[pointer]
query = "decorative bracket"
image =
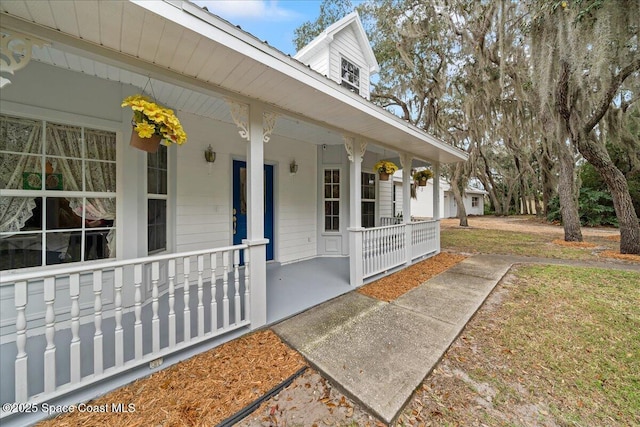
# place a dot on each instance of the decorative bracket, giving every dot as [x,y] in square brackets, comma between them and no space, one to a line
[15,52]
[350,145]
[240,116]
[269,119]
[405,161]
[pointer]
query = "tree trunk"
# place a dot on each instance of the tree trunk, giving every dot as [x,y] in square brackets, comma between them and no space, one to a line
[456,184]
[567,195]
[492,188]
[536,204]
[598,156]
[547,178]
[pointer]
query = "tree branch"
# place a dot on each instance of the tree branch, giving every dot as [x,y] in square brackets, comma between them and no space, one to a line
[610,93]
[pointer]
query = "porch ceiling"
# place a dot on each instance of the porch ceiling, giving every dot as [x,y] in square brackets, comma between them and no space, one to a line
[179,42]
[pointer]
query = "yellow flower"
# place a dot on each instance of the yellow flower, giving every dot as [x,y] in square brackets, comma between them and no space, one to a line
[145,129]
[564,4]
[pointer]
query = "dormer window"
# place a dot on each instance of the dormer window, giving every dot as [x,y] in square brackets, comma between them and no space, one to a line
[350,76]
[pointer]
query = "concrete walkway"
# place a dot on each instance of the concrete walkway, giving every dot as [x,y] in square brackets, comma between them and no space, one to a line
[378,352]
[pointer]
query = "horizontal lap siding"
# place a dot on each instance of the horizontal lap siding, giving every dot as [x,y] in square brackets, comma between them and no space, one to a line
[385,197]
[203,199]
[296,198]
[345,44]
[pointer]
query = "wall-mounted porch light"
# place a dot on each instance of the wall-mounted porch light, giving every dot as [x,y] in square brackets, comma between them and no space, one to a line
[293,167]
[209,154]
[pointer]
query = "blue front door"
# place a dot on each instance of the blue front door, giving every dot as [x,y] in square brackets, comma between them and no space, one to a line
[240,204]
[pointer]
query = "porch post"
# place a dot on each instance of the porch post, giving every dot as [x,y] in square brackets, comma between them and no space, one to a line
[355,151]
[436,201]
[436,190]
[255,125]
[406,162]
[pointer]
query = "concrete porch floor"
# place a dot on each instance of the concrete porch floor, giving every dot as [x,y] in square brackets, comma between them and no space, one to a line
[293,288]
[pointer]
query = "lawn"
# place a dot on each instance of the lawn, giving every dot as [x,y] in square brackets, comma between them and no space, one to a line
[553,345]
[477,240]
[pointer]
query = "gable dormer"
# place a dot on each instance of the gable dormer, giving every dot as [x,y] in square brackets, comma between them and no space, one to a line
[342,52]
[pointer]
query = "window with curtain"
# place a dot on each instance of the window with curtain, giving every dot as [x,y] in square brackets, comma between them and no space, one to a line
[350,75]
[157,200]
[368,200]
[57,201]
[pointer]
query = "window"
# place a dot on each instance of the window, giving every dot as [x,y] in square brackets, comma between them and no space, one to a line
[332,200]
[157,200]
[474,201]
[350,76]
[58,202]
[368,199]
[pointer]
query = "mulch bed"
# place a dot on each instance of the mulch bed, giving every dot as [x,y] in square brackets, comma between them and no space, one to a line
[585,245]
[618,255]
[391,287]
[201,391]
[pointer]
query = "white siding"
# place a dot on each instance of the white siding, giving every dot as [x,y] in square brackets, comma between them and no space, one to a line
[295,199]
[397,188]
[345,44]
[385,198]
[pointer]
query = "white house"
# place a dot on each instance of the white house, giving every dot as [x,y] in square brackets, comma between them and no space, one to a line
[113,258]
[422,205]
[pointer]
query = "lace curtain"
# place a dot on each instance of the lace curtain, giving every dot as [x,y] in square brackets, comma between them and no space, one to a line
[100,176]
[20,136]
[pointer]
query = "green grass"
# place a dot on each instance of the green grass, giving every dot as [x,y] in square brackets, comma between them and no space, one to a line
[573,334]
[475,240]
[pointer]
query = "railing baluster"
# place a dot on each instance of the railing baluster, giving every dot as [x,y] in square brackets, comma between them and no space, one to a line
[21,364]
[247,284]
[236,284]
[50,321]
[74,347]
[172,302]
[98,338]
[200,297]
[119,332]
[214,302]
[225,288]
[155,319]
[137,298]
[186,266]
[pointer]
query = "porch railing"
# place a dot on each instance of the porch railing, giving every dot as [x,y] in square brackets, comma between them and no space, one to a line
[384,248]
[190,297]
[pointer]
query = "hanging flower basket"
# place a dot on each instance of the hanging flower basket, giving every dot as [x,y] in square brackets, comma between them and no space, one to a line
[384,169]
[153,123]
[421,177]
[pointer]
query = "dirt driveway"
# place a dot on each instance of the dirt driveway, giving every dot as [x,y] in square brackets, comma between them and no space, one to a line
[523,223]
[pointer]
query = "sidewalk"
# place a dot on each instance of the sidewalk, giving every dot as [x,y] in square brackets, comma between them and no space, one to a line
[377,352]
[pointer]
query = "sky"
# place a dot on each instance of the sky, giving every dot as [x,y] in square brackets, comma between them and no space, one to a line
[270,20]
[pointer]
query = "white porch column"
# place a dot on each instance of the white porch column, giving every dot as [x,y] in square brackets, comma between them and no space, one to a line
[406,162]
[436,190]
[356,151]
[436,201]
[255,125]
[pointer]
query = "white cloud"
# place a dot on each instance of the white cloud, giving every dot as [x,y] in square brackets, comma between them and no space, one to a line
[248,9]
